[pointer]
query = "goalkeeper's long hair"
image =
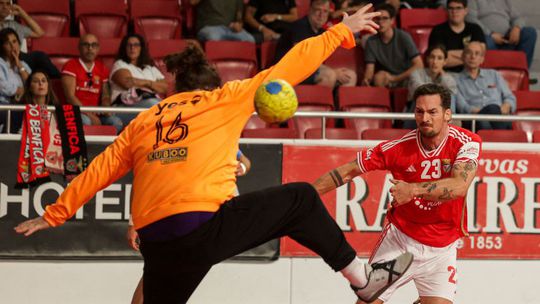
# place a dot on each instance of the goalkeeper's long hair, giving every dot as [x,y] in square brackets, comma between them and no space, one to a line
[192,70]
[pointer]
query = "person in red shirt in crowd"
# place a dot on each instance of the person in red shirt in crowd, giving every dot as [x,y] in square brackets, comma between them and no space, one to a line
[432,167]
[85,83]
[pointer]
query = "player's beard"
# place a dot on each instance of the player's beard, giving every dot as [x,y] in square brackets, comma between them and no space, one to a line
[428,133]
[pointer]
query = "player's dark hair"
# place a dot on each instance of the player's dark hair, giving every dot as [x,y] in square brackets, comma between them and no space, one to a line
[388,8]
[192,70]
[435,89]
[464,2]
[437,47]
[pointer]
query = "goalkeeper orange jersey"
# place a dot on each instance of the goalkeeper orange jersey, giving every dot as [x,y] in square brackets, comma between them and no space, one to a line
[183,150]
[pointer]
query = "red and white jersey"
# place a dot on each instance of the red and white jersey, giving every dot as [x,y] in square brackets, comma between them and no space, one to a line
[432,223]
[88,82]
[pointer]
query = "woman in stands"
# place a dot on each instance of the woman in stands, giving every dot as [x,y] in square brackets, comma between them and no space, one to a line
[38,90]
[135,80]
[432,73]
[13,73]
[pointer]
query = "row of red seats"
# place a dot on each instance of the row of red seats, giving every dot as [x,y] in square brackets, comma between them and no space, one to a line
[160,19]
[233,64]
[515,136]
[371,99]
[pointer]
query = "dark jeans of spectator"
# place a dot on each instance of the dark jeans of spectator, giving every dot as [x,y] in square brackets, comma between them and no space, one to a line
[16,121]
[527,42]
[40,61]
[491,109]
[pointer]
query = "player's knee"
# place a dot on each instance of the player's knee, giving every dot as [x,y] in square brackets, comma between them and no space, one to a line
[379,80]
[327,77]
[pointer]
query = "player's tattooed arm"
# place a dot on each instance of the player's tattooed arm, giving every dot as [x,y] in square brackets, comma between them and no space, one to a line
[337,177]
[442,190]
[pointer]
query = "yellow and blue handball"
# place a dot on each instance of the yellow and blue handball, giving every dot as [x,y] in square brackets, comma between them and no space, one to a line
[275,101]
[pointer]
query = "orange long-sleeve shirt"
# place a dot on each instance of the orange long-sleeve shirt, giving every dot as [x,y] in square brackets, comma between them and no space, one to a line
[183,150]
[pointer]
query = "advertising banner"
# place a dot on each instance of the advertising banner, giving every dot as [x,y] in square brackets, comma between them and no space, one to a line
[98,230]
[503,205]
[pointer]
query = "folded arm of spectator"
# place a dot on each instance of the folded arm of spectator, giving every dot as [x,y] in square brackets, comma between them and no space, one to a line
[37,31]
[455,58]
[368,74]
[507,95]
[416,64]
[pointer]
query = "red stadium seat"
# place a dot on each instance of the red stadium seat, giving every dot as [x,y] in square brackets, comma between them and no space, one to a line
[161,48]
[302,6]
[58,90]
[364,96]
[352,59]
[312,98]
[59,49]
[268,52]
[99,130]
[536,137]
[108,49]
[503,136]
[255,122]
[233,59]
[103,18]
[384,134]
[315,95]
[269,133]
[188,16]
[365,99]
[527,100]
[399,99]
[419,22]
[528,103]
[52,16]
[512,65]
[156,19]
[332,133]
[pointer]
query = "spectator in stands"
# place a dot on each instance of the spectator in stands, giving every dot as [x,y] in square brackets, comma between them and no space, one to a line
[38,90]
[483,91]
[391,55]
[309,26]
[455,34]
[220,20]
[85,83]
[266,20]
[37,60]
[503,25]
[13,71]
[433,73]
[135,80]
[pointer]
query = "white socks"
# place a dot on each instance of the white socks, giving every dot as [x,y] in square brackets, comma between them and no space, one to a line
[355,272]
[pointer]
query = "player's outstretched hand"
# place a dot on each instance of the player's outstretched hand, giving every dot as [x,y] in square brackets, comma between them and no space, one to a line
[362,20]
[401,192]
[30,226]
[132,238]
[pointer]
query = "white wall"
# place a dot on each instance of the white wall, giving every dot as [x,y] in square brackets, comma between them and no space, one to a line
[293,281]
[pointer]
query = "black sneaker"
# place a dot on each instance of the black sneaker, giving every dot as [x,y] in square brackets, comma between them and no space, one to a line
[381,276]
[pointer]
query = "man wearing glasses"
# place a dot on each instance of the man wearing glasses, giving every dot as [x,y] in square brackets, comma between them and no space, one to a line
[456,34]
[391,55]
[85,83]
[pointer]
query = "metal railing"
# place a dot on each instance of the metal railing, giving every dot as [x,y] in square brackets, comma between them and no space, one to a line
[323,115]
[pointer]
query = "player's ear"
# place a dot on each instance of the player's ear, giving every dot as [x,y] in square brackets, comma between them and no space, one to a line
[447,115]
